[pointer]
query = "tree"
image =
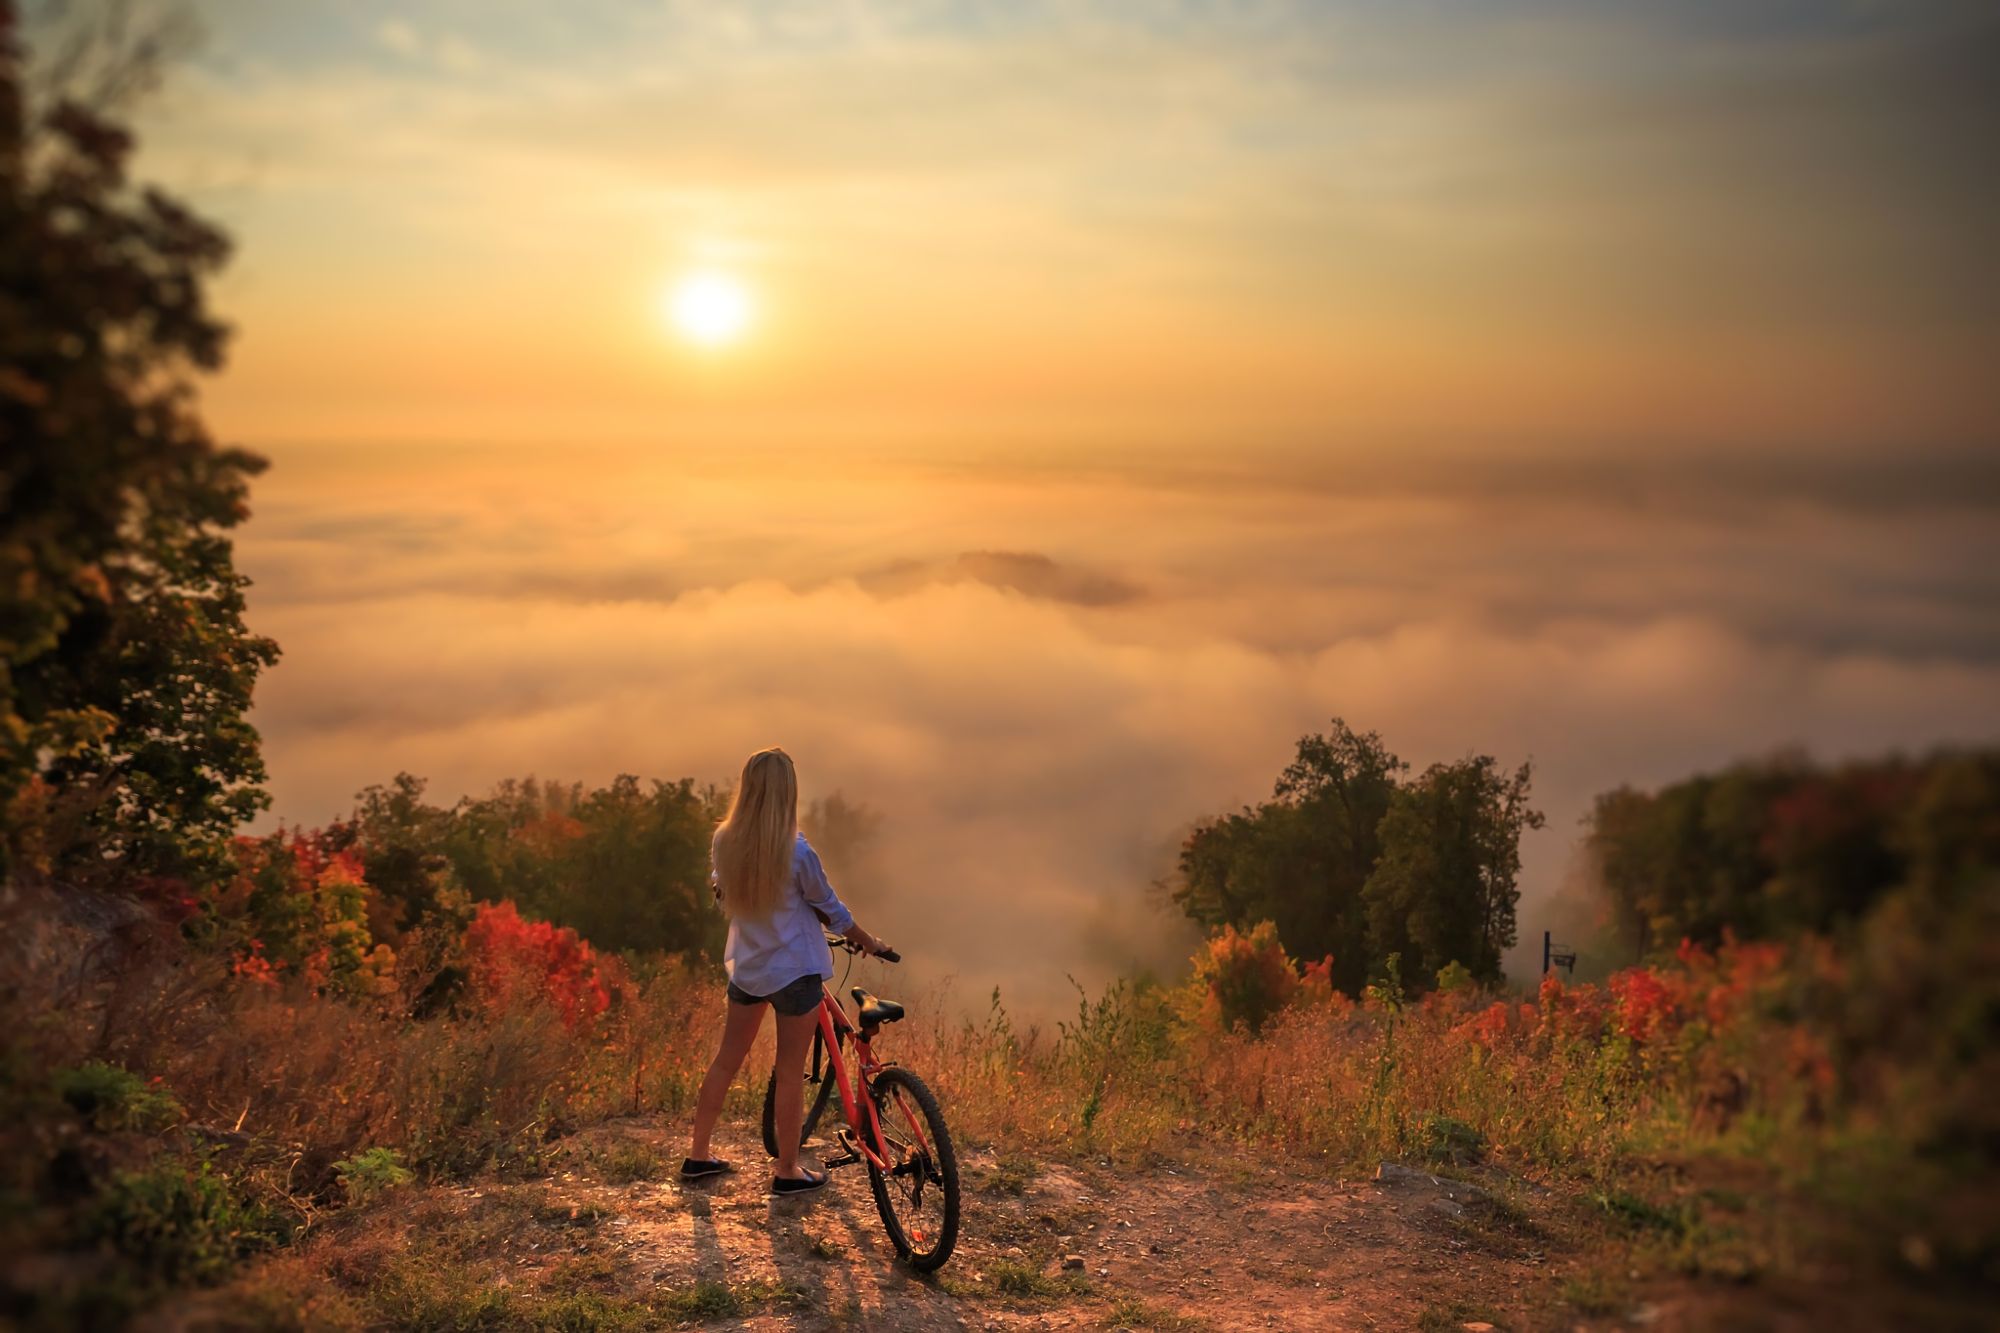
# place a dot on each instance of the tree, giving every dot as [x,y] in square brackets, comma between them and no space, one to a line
[1446,886]
[1300,859]
[126,668]
[1353,863]
[401,841]
[1774,847]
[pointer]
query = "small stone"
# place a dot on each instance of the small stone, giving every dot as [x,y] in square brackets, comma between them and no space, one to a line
[1476,1326]
[1014,1252]
[1072,1261]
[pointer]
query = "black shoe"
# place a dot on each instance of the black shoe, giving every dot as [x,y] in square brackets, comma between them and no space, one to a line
[693,1168]
[786,1185]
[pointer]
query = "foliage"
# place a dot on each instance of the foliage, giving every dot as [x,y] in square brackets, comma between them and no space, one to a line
[299,906]
[112,1098]
[180,1221]
[1300,860]
[1351,861]
[1778,847]
[626,867]
[1444,889]
[1244,979]
[126,668]
[369,1172]
[515,962]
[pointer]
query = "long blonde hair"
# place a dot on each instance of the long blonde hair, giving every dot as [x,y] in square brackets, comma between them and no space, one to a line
[753,843]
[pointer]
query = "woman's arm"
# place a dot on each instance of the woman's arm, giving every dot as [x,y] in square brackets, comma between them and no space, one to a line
[819,896]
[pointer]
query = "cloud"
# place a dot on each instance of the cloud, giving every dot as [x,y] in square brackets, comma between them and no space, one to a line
[399,37]
[1038,745]
[1027,572]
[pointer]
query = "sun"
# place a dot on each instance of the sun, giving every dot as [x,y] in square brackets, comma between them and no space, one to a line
[708,307]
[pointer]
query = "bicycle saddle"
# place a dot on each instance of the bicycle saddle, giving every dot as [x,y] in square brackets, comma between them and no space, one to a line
[875,1011]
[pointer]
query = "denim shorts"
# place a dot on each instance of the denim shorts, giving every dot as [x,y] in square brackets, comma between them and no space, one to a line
[792,999]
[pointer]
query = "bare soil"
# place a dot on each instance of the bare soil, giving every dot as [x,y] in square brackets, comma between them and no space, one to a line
[1221,1241]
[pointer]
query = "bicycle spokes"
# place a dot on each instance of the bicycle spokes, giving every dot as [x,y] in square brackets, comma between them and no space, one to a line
[914,1181]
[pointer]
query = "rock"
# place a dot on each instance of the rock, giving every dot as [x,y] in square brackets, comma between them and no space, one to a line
[1014,1252]
[1391,1175]
[1396,1174]
[1072,1261]
[1476,1326]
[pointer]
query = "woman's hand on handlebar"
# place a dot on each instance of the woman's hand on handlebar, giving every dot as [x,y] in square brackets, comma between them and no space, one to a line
[860,941]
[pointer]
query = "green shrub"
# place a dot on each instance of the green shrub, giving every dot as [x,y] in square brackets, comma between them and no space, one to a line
[370,1172]
[180,1222]
[1446,1140]
[1454,977]
[111,1098]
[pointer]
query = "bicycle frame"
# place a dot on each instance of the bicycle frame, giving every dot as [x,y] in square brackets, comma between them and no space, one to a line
[833,1021]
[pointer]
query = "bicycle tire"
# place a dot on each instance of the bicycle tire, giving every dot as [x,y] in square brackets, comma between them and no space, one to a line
[818,1069]
[926,1251]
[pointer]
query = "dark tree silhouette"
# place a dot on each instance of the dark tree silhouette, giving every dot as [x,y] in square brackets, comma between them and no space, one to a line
[1351,861]
[126,668]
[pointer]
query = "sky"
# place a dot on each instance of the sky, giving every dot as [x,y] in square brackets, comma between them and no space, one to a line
[1127,390]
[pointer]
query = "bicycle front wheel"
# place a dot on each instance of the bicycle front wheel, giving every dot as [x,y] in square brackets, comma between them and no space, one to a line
[819,1091]
[918,1195]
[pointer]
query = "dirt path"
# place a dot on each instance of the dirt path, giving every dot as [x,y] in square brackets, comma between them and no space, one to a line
[1221,1243]
[599,1235]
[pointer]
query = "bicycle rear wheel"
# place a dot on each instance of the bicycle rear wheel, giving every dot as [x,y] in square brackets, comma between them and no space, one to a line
[918,1195]
[819,1091]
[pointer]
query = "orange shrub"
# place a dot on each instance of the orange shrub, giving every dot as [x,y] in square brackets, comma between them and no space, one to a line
[1245,978]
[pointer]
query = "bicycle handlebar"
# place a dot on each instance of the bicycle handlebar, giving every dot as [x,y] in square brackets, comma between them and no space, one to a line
[842,942]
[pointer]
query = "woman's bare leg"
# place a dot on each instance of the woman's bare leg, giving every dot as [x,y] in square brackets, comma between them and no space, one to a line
[788,1112]
[739,1033]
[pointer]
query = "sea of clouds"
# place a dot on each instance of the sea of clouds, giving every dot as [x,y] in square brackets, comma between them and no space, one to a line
[1041,670]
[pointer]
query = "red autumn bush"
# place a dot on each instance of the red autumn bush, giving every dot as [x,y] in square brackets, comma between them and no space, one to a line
[514,962]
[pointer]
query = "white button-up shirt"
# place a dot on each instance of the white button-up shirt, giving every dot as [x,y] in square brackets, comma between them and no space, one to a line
[763,957]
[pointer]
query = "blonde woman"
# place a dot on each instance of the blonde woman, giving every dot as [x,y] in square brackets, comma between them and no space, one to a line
[769,880]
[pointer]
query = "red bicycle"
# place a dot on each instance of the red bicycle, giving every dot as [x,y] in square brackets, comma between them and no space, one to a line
[894,1125]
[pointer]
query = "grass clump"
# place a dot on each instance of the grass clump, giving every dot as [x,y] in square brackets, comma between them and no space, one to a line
[180,1222]
[722,1300]
[415,1293]
[1133,1313]
[582,1215]
[1025,1281]
[1012,1175]
[1638,1215]
[111,1098]
[1594,1294]
[369,1173]
[626,1162]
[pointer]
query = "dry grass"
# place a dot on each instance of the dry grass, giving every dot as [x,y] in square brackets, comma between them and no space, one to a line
[279,1085]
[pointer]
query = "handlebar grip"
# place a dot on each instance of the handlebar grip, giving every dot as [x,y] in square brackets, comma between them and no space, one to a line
[890,956]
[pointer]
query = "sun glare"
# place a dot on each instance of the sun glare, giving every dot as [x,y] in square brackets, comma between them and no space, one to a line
[709,308]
